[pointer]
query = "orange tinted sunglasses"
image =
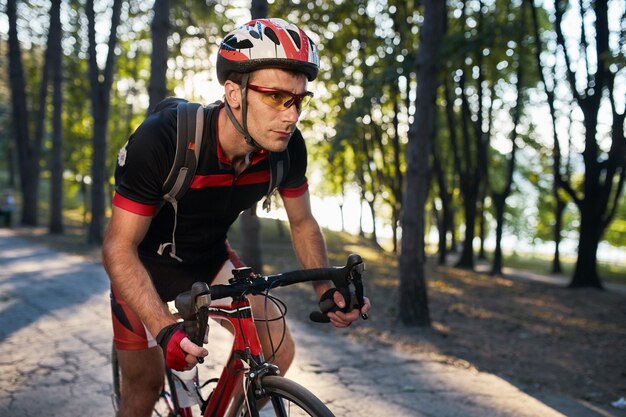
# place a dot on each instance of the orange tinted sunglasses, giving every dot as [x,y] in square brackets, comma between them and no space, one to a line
[281,99]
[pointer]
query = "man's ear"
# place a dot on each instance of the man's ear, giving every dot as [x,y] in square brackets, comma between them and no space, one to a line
[232,94]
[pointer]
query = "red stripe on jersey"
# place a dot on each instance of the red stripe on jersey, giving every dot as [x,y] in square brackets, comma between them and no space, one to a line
[133,206]
[294,192]
[216,180]
[226,180]
[254,178]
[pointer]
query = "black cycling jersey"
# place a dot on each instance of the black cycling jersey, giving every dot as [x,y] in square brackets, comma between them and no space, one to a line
[212,203]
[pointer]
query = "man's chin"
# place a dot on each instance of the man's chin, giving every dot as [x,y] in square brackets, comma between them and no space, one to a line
[277,145]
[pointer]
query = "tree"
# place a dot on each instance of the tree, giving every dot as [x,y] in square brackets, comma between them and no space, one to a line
[445,215]
[413,294]
[56,156]
[605,169]
[250,225]
[100,82]
[28,147]
[499,197]
[549,89]
[470,155]
[157,89]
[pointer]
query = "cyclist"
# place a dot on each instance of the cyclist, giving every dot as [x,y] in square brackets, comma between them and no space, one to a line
[264,67]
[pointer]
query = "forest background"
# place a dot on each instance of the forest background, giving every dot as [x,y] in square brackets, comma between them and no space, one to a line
[472,125]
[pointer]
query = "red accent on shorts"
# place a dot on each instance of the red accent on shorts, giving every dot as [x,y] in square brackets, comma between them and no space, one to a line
[133,206]
[132,334]
[294,192]
[133,338]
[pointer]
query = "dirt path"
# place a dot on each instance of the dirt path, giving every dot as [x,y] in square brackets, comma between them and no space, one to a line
[55,343]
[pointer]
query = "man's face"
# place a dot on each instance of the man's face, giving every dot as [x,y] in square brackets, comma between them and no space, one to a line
[270,124]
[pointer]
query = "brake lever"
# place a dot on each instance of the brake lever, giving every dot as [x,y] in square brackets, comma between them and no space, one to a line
[193,308]
[355,268]
[357,281]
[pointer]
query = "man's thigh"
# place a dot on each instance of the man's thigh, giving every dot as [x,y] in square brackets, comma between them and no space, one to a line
[141,368]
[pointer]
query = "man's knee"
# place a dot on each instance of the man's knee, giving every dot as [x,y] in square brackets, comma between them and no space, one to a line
[142,379]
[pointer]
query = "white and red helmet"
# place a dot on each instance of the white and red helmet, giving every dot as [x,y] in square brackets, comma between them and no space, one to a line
[267,43]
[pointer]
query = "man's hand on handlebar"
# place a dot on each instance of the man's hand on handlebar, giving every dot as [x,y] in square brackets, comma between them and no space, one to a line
[333,308]
[180,353]
[339,318]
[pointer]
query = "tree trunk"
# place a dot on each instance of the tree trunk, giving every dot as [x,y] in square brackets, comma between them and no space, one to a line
[250,231]
[556,168]
[100,107]
[258,9]
[466,259]
[558,227]
[499,203]
[586,271]
[474,148]
[604,176]
[27,152]
[413,301]
[499,198]
[157,88]
[56,158]
[482,226]
[444,221]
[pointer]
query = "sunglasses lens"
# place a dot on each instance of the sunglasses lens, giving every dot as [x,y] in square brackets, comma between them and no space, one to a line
[304,101]
[281,100]
[277,100]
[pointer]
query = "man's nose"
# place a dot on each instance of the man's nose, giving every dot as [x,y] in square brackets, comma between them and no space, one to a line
[292,114]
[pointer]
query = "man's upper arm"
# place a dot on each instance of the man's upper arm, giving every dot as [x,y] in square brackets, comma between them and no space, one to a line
[126,228]
[298,209]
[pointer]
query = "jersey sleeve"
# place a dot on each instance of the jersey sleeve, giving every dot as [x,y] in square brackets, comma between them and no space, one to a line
[295,184]
[143,165]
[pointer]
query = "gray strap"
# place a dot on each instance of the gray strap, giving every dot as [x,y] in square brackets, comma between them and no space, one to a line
[276,176]
[170,197]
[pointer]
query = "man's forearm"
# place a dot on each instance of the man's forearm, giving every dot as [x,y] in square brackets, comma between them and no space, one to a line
[132,282]
[310,248]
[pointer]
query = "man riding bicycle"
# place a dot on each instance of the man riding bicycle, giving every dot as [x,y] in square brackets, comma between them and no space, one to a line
[264,67]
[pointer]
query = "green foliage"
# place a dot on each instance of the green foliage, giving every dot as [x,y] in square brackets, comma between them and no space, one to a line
[357,126]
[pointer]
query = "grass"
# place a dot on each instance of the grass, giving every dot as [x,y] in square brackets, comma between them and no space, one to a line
[275,238]
[611,272]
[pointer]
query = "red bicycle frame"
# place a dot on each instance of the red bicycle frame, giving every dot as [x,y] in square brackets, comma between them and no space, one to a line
[246,346]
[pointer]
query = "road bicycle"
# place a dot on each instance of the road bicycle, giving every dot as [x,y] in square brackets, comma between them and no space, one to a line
[248,381]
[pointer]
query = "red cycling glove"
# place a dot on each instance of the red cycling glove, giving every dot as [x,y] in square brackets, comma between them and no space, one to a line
[169,339]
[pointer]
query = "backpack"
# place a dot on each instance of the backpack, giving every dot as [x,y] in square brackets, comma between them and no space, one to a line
[190,119]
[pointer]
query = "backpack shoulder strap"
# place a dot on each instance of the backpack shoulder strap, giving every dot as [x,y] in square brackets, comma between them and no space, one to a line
[189,135]
[189,127]
[279,167]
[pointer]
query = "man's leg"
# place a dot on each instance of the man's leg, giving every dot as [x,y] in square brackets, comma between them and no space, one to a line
[140,360]
[142,379]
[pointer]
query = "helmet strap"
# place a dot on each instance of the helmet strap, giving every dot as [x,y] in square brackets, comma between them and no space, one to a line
[244,113]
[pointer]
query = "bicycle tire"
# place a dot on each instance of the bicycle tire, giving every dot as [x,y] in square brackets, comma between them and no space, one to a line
[296,400]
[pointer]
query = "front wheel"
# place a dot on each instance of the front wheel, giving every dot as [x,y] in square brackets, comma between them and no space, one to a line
[286,399]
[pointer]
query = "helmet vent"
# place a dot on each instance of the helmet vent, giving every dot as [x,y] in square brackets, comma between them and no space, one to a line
[269,32]
[232,43]
[295,36]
